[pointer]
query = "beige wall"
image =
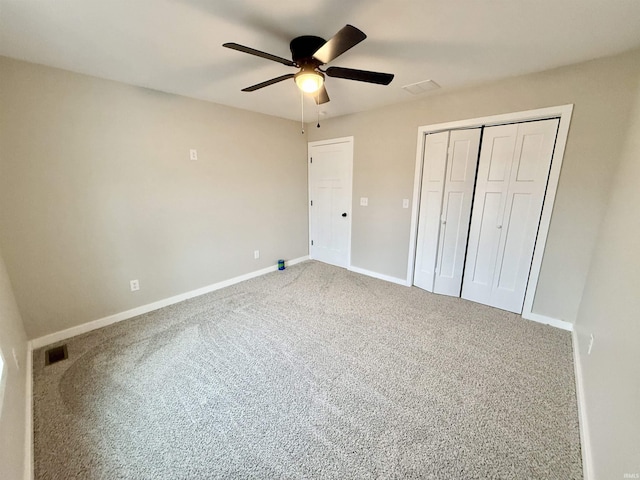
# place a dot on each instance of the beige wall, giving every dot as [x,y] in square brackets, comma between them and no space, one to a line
[96,189]
[385,153]
[610,310]
[12,415]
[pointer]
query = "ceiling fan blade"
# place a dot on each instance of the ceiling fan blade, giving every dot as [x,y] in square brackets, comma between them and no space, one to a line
[322,96]
[268,82]
[360,75]
[258,53]
[347,37]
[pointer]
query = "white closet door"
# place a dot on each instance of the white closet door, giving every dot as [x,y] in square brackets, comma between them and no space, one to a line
[512,179]
[433,173]
[456,210]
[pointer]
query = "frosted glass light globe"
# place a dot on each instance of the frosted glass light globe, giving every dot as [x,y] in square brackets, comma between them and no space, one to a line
[309,82]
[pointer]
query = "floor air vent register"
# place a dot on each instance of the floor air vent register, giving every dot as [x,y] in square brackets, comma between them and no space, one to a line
[55,355]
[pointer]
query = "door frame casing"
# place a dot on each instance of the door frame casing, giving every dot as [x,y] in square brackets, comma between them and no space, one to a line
[563,112]
[349,183]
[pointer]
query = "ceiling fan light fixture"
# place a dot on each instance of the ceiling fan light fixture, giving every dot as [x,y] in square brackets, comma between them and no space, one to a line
[309,81]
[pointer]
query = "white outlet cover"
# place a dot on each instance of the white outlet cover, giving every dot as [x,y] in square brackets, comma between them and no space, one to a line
[193,154]
[405,203]
[364,201]
[135,285]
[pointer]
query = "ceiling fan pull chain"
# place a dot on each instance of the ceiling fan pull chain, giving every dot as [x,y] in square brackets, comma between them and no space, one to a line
[318,109]
[302,110]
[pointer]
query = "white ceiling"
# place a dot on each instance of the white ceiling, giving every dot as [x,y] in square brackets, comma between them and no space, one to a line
[176,45]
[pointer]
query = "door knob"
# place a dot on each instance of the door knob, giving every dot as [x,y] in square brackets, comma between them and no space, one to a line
[344,214]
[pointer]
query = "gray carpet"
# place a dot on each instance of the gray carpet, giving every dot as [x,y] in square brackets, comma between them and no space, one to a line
[314,372]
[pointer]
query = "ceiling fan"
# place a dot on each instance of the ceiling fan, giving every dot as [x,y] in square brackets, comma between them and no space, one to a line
[308,53]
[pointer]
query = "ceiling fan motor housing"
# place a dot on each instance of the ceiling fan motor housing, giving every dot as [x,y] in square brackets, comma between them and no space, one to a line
[303,48]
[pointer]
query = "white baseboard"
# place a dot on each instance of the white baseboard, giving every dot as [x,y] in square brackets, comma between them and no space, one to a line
[554,322]
[28,434]
[134,312]
[381,276]
[585,442]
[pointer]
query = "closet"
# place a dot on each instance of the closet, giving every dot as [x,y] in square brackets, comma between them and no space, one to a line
[481,198]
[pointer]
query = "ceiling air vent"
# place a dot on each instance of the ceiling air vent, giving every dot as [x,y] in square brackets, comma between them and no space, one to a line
[421,87]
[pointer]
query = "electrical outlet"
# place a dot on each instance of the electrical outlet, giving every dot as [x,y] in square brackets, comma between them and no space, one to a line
[15,358]
[193,154]
[135,285]
[590,345]
[405,203]
[364,201]
[256,254]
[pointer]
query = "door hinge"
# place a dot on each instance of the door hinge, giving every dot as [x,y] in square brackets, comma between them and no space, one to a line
[310,159]
[312,203]
[312,243]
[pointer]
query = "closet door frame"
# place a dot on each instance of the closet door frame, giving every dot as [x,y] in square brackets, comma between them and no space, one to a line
[563,112]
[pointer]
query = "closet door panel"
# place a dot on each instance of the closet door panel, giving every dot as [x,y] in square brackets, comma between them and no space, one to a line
[525,197]
[514,165]
[433,176]
[456,210]
[494,172]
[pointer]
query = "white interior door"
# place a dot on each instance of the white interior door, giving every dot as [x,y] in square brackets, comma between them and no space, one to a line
[512,179]
[433,174]
[456,210]
[330,172]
